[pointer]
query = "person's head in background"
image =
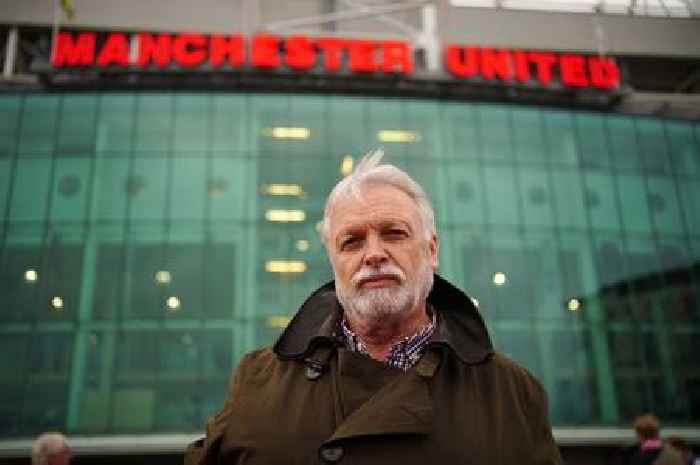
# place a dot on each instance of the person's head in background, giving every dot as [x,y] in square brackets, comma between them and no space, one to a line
[51,449]
[646,426]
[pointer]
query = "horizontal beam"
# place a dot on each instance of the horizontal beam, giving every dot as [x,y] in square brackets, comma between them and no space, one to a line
[176,443]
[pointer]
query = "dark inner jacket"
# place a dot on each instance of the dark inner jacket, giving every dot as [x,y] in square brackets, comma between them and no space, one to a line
[309,400]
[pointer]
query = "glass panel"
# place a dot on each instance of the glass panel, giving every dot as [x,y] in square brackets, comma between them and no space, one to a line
[71,189]
[154,128]
[683,148]
[10,107]
[191,124]
[38,125]
[76,128]
[30,189]
[634,203]
[579,235]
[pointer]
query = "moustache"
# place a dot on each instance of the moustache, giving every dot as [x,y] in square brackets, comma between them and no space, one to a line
[385,271]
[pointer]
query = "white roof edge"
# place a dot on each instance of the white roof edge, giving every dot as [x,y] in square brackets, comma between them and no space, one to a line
[176,443]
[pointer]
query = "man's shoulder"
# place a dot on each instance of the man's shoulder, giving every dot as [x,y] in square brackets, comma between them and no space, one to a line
[257,359]
[511,372]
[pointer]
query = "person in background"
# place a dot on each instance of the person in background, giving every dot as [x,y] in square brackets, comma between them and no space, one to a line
[650,449]
[51,449]
[683,448]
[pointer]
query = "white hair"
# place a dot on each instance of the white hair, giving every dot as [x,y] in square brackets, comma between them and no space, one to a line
[370,171]
[46,445]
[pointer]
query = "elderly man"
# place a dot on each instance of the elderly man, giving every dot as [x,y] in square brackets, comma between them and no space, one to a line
[388,364]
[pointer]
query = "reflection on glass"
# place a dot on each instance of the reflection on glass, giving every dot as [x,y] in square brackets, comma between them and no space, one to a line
[163,277]
[31,276]
[285,216]
[346,165]
[398,135]
[57,303]
[283,189]
[278,321]
[287,133]
[285,266]
[173,303]
[574,305]
[499,278]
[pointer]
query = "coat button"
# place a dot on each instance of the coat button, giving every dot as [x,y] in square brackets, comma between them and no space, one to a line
[314,371]
[332,454]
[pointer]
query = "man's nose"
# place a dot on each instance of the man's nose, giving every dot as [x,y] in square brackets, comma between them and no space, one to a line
[375,254]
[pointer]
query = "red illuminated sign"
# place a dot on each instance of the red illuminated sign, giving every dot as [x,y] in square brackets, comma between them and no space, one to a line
[267,51]
[303,53]
[519,65]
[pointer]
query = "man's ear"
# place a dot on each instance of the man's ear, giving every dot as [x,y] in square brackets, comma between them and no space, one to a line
[433,251]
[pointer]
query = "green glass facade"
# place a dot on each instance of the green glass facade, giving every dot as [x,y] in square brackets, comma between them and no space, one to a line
[138,247]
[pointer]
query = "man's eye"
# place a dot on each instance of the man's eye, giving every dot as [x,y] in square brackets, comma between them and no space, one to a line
[395,234]
[350,243]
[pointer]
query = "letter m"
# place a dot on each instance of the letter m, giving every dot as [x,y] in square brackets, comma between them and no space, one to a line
[69,52]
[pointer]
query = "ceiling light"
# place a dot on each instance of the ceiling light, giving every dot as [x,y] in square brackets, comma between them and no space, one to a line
[287,133]
[283,189]
[302,245]
[346,165]
[398,135]
[499,278]
[278,321]
[31,276]
[163,277]
[57,303]
[285,266]
[285,216]
[574,305]
[173,303]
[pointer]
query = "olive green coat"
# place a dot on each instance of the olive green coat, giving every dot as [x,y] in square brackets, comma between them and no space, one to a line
[311,401]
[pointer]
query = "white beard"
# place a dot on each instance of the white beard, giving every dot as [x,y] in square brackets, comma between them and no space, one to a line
[374,304]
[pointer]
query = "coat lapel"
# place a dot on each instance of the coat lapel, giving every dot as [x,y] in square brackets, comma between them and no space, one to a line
[401,405]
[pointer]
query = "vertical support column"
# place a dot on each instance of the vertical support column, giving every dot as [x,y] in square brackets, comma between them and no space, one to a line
[10,53]
[450,244]
[82,342]
[87,289]
[244,337]
[428,38]
[605,385]
[664,339]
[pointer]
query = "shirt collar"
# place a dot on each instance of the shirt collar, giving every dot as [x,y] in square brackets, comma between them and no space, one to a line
[405,353]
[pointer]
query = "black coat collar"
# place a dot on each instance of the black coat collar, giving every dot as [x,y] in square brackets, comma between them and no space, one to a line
[460,326]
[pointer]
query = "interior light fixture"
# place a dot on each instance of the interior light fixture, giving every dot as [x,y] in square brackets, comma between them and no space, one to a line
[278,321]
[163,277]
[31,276]
[346,165]
[285,266]
[293,190]
[285,216]
[173,303]
[499,278]
[398,135]
[302,245]
[574,305]
[57,303]
[288,133]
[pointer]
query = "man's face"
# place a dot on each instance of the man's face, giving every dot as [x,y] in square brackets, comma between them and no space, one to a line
[382,260]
